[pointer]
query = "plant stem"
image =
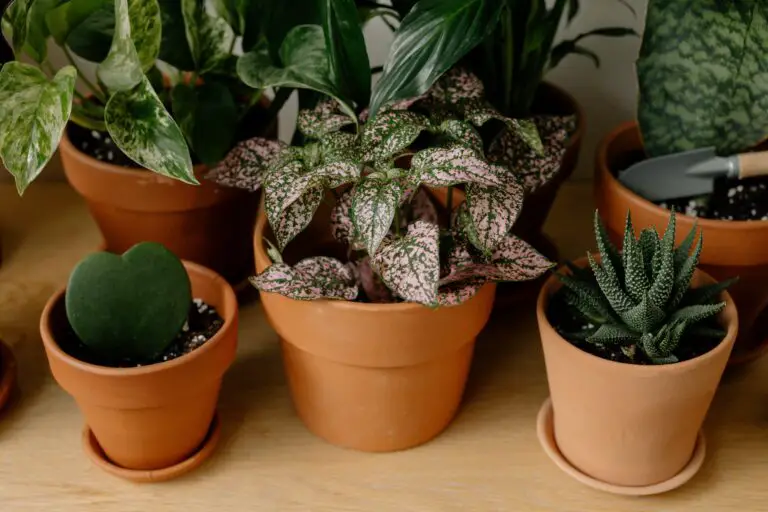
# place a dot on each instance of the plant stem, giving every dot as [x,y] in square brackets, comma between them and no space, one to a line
[397,222]
[377,69]
[232,45]
[449,201]
[509,55]
[97,92]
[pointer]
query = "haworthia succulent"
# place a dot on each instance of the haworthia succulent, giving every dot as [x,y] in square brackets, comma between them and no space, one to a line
[310,279]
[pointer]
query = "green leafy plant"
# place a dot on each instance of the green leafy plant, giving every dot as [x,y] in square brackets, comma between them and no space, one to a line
[129,306]
[641,299]
[701,74]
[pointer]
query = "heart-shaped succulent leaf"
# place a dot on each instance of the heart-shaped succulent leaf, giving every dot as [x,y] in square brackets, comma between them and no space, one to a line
[129,306]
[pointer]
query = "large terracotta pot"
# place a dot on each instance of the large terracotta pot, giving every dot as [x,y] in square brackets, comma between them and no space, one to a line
[150,417]
[207,224]
[625,424]
[731,248]
[372,377]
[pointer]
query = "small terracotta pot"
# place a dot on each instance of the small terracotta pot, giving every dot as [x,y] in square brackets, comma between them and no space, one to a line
[150,417]
[731,248]
[625,424]
[206,224]
[372,377]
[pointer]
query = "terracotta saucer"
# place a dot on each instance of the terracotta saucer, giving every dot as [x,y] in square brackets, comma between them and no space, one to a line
[96,454]
[7,373]
[546,434]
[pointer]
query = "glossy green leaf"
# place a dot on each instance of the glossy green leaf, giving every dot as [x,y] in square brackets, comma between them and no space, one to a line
[36,43]
[572,46]
[146,133]
[350,67]
[33,114]
[146,30]
[280,17]
[65,18]
[90,32]
[174,48]
[431,39]
[304,65]
[703,76]
[210,37]
[236,12]
[121,70]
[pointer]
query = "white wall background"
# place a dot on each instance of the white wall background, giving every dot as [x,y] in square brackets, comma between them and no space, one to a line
[607,95]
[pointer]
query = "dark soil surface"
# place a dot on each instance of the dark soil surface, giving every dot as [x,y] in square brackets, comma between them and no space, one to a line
[732,199]
[98,145]
[203,323]
[564,321]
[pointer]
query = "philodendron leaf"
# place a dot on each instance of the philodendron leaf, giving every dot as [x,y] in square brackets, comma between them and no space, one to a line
[463,133]
[493,211]
[141,127]
[33,115]
[410,265]
[390,133]
[347,54]
[702,75]
[430,40]
[304,65]
[374,201]
[121,70]
[325,118]
[310,279]
[246,165]
[146,30]
[235,12]
[443,167]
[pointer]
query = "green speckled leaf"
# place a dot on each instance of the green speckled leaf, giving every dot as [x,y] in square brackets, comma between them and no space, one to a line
[444,167]
[121,70]
[247,164]
[479,113]
[33,114]
[391,132]
[461,132]
[146,133]
[703,76]
[374,202]
[493,211]
[325,118]
[297,216]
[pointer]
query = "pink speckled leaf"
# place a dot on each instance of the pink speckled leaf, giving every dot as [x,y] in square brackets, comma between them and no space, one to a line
[442,167]
[340,146]
[283,186]
[342,227]
[374,201]
[534,168]
[423,207]
[390,133]
[493,211]
[461,132]
[297,216]
[310,279]
[336,173]
[454,86]
[454,294]
[373,287]
[410,265]
[479,113]
[325,118]
[246,165]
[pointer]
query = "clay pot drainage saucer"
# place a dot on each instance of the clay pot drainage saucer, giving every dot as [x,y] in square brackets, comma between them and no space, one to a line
[7,373]
[96,454]
[546,433]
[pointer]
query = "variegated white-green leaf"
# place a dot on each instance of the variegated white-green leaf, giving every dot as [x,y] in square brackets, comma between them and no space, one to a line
[310,279]
[461,132]
[146,30]
[141,127]
[210,36]
[325,118]
[374,202]
[121,70]
[391,132]
[297,216]
[493,211]
[443,167]
[479,113]
[33,114]
[17,14]
[410,265]
[341,218]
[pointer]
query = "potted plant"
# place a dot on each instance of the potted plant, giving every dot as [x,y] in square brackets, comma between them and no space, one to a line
[681,107]
[165,83]
[635,343]
[376,289]
[141,341]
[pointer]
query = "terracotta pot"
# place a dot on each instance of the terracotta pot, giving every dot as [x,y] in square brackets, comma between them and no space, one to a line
[149,417]
[207,224]
[372,377]
[625,424]
[731,248]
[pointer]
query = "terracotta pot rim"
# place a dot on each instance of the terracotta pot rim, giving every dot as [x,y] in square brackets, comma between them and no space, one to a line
[553,284]
[230,308]
[633,198]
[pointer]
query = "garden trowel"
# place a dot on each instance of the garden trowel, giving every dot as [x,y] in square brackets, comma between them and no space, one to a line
[690,173]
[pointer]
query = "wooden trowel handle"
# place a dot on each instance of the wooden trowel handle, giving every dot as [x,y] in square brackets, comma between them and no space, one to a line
[753,164]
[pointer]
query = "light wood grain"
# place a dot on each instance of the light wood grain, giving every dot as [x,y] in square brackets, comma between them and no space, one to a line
[488,460]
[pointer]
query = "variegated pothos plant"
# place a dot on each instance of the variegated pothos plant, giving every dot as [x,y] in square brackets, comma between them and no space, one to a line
[379,172]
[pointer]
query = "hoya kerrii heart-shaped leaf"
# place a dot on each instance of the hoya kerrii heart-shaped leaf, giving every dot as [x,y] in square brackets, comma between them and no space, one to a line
[325,118]
[141,127]
[350,68]
[310,279]
[443,167]
[701,76]
[297,215]
[121,70]
[304,65]
[463,133]
[493,211]
[246,165]
[430,40]
[129,306]
[390,133]
[374,202]
[410,265]
[33,115]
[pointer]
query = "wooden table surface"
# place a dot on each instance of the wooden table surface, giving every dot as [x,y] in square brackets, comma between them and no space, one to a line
[489,459]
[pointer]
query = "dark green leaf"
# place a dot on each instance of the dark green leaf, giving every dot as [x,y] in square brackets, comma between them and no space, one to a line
[280,17]
[350,68]
[608,334]
[565,48]
[90,34]
[210,38]
[62,20]
[36,43]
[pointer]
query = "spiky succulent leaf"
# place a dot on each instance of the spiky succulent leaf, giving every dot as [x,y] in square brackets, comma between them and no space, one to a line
[649,245]
[463,133]
[247,163]
[410,265]
[706,294]
[390,133]
[374,201]
[325,118]
[685,272]
[443,167]
[608,334]
[664,281]
[684,249]
[493,211]
[636,280]
[644,316]
[310,279]
[589,298]
[696,313]
[606,247]
[611,288]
